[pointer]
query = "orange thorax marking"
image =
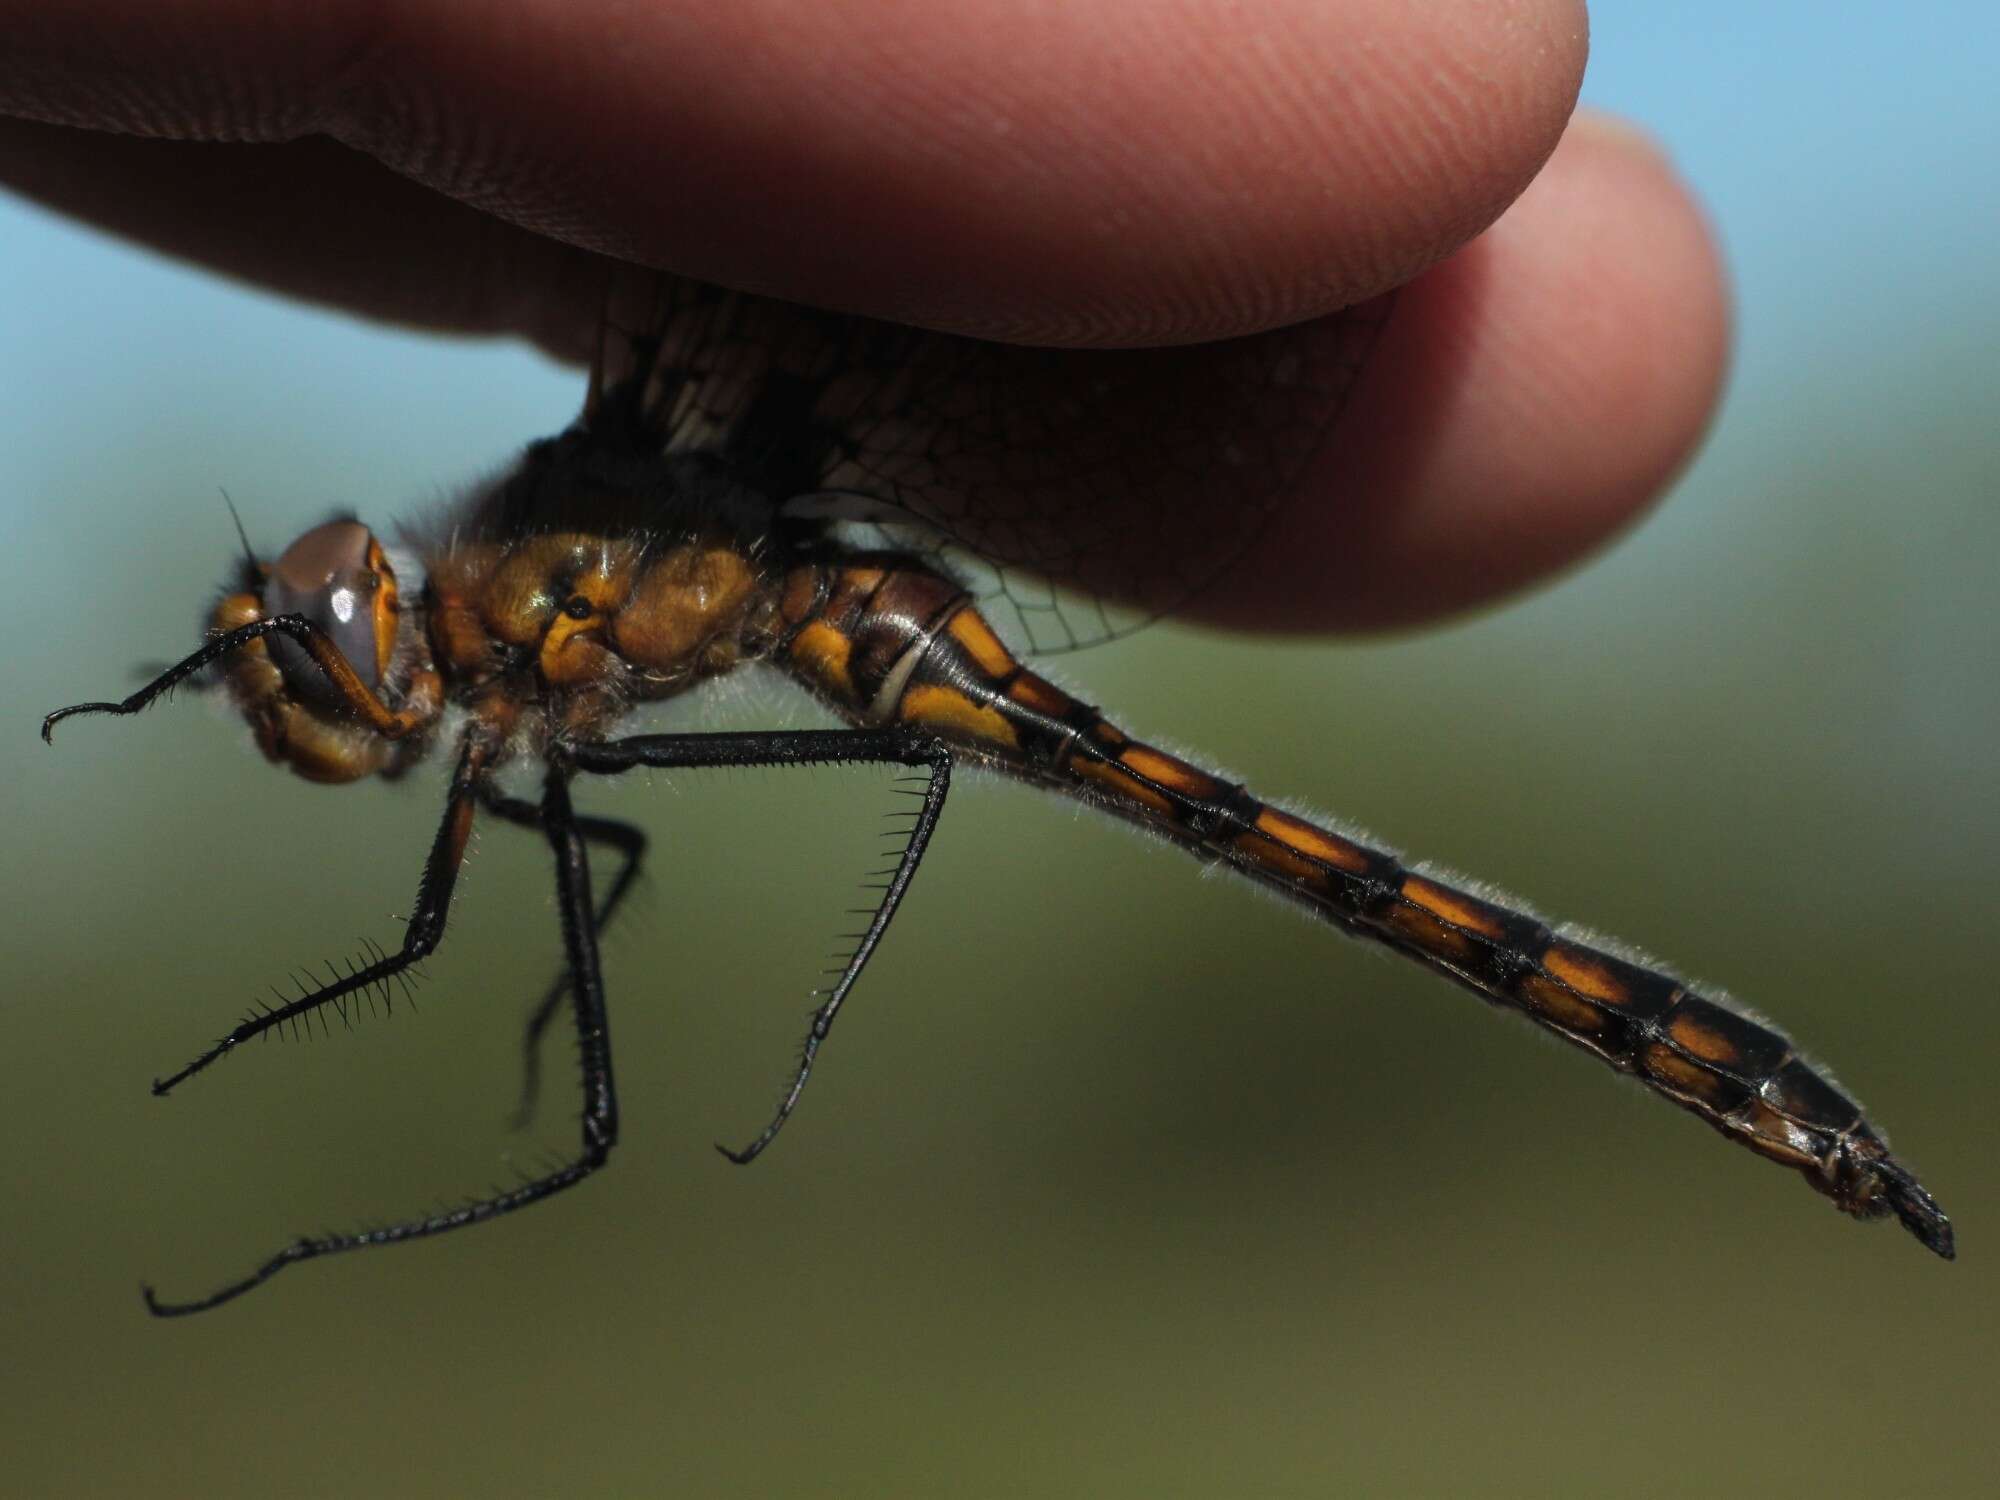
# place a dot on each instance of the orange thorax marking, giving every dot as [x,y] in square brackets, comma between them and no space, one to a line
[685,598]
[658,610]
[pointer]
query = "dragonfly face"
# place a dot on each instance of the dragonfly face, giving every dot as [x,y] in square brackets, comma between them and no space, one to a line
[337,577]
[337,580]
[847,503]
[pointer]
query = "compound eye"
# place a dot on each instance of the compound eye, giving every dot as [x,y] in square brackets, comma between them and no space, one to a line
[337,577]
[577,607]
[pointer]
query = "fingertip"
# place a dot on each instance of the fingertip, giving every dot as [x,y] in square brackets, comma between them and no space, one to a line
[1120,173]
[1530,398]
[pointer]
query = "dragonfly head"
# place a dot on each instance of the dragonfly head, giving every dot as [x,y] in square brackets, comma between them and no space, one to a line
[338,577]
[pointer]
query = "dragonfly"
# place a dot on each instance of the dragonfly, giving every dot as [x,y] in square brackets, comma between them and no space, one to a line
[872,511]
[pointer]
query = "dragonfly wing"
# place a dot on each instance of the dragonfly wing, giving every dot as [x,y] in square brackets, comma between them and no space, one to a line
[1082,493]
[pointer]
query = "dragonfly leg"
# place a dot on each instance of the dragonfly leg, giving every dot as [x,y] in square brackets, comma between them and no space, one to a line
[628,840]
[420,937]
[893,745]
[600,1100]
[340,676]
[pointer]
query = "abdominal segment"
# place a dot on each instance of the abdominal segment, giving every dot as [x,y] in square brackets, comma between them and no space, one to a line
[890,642]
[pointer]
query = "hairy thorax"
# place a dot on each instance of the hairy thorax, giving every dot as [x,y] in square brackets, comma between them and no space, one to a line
[575,628]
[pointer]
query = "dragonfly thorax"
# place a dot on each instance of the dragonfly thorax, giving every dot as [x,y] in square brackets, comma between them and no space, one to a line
[578,625]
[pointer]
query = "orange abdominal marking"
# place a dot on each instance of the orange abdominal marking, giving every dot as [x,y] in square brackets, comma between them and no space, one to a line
[822,654]
[1584,973]
[1038,695]
[1703,1041]
[1121,785]
[1560,1006]
[1267,853]
[1428,933]
[1155,766]
[1454,907]
[950,712]
[1671,1071]
[969,628]
[1314,843]
[1775,1136]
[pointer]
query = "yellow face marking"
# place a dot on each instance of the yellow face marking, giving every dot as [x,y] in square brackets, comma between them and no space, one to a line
[253,677]
[823,652]
[1583,972]
[316,749]
[385,608]
[1454,907]
[1312,842]
[317,742]
[956,716]
[971,631]
[1040,695]
[1694,1037]
[1155,765]
[1121,786]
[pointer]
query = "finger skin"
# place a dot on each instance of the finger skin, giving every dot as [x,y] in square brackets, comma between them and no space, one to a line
[1531,394]
[320,222]
[1128,171]
[1529,399]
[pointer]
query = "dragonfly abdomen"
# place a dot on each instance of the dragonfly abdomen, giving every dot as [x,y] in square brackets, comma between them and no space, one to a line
[897,643]
[1744,1079]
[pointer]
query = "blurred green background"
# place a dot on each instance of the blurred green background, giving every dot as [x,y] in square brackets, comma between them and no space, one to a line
[1115,1180]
